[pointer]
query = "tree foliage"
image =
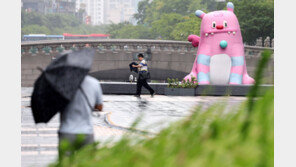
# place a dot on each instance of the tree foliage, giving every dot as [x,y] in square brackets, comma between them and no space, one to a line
[164,19]
[256,18]
[36,29]
[126,30]
[55,24]
[190,25]
[142,7]
[166,24]
[175,20]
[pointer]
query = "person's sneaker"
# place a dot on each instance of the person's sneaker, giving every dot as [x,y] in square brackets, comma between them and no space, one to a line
[152,95]
[138,96]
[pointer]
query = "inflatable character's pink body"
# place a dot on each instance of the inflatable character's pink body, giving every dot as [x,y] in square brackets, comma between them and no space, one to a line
[220,35]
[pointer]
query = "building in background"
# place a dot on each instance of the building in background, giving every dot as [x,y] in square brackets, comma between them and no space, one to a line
[35,5]
[50,6]
[117,11]
[94,11]
[64,6]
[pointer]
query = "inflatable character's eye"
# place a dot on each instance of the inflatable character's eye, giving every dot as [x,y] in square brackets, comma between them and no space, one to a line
[225,23]
[213,24]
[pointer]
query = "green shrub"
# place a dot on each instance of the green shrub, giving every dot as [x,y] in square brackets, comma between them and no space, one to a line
[174,83]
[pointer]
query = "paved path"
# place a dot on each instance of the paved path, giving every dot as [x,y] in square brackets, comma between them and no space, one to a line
[39,142]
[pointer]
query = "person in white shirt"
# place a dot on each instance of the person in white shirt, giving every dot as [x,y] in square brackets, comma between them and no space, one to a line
[142,79]
[76,120]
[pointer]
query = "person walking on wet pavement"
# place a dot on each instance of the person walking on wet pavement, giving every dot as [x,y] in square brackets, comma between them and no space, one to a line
[65,87]
[76,120]
[143,76]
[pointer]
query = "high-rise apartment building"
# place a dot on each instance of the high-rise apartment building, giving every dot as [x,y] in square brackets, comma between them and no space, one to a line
[94,10]
[117,11]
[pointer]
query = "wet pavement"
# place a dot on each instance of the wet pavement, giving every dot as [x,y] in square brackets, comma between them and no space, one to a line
[39,142]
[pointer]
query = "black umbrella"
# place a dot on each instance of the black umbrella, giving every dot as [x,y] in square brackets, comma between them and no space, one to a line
[135,69]
[58,83]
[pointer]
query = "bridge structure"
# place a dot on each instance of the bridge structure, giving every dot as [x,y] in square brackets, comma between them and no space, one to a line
[173,59]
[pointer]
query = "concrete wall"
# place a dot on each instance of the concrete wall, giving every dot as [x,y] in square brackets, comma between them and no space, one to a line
[29,68]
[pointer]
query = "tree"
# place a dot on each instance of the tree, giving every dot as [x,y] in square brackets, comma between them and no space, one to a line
[114,29]
[213,5]
[56,24]
[157,8]
[32,18]
[190,25]
[256,19]
[141,15]
[35,29]
[166,24]
[126,30]
[62,20]
[138,32]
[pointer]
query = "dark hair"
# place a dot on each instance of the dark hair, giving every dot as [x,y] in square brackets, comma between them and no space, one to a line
[140,55]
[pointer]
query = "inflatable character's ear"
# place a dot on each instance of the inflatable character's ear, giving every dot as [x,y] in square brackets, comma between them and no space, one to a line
[230,6]
[199,14]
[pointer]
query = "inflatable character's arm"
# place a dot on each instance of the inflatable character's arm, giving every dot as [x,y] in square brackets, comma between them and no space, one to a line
[194,39]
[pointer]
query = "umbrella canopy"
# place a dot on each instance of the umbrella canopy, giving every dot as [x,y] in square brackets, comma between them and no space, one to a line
[135,69]
[58,83]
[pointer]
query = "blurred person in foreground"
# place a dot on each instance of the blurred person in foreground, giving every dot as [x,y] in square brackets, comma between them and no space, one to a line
[143,76]
[76,128]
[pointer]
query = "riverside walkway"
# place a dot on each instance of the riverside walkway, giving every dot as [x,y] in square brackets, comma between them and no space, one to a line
[39,142]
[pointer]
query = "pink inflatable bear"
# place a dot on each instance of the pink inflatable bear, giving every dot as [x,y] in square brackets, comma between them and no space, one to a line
[220,35]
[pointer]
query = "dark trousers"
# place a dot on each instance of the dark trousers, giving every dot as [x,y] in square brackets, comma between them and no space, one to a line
[70,143]
[143,82]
